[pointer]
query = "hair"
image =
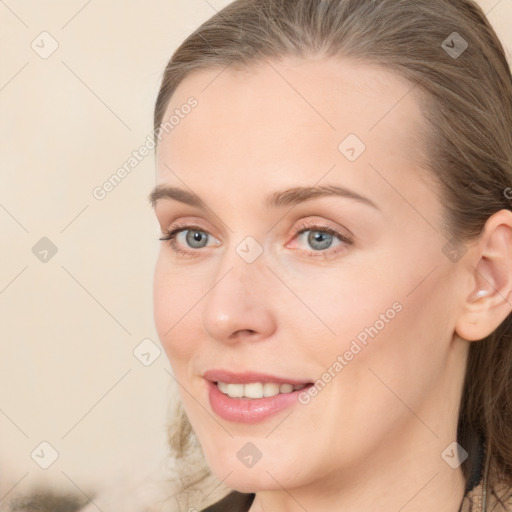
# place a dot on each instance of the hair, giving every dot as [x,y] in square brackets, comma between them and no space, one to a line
[467,108]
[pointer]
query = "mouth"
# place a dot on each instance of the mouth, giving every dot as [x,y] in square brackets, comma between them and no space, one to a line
[251,397]
[257,390]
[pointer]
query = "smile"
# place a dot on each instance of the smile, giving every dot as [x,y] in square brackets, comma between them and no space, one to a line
[257,390]
[251,397]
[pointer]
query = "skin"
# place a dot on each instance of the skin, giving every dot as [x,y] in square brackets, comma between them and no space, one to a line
[373,437]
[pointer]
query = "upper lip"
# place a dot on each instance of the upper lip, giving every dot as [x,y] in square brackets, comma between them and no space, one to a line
[229,377]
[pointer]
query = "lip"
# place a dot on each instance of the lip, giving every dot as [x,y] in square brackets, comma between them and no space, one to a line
[249,410]
[248,377]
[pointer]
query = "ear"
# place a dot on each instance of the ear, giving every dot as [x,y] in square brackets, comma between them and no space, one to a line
[490,300]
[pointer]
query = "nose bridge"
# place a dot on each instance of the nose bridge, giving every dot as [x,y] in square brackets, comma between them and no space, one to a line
[238,300]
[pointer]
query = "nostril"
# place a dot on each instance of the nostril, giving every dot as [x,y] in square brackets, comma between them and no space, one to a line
[242,332]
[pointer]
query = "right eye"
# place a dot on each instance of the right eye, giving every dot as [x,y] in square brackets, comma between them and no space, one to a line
[187,239]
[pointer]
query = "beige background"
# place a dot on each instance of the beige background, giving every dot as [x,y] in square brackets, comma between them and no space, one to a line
[70,325]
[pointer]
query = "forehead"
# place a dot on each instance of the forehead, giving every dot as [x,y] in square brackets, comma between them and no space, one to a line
[295,119]
[314,82]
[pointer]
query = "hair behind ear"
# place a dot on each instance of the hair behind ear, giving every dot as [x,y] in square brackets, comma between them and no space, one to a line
[485,407]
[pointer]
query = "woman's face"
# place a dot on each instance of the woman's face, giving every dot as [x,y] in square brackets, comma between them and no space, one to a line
[309,251]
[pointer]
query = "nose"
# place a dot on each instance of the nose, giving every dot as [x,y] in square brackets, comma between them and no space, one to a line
[239,304]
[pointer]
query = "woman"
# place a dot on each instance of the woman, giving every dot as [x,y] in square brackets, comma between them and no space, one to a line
[333,288]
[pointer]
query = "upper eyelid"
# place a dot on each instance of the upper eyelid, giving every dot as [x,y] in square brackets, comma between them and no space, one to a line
[166,227]
[310,225]
[162,214]
[190,222]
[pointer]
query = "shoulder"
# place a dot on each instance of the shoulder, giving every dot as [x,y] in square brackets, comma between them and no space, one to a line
[497,499]
[500,498]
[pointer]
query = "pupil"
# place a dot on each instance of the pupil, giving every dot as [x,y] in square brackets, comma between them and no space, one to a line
[323,240]
[196,239]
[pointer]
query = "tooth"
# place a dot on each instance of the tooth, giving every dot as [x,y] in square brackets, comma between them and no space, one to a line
[253,390]
[256,390]
[270,389]
[235,390]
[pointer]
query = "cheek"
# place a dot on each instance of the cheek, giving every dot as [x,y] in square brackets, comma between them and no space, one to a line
[406,350]
[174,298]
[392,318]
[337,305]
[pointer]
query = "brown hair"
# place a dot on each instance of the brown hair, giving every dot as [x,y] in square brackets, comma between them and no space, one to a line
[468,114]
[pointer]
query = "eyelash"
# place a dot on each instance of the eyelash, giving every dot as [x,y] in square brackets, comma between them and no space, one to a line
[173,231]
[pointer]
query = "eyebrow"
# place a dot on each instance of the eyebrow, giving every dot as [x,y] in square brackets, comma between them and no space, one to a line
[289,197]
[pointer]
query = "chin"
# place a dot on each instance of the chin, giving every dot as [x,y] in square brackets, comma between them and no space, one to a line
[264,475]
[250,481]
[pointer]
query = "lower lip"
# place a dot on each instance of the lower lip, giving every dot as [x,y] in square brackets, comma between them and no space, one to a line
[249,410]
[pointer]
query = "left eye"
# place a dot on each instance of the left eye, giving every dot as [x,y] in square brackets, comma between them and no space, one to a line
[194,238]
[189,237]
[317,239]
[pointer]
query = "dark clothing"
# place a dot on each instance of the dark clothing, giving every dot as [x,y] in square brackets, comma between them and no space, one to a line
[234,502]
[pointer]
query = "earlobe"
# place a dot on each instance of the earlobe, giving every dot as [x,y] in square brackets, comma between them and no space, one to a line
[489,302]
